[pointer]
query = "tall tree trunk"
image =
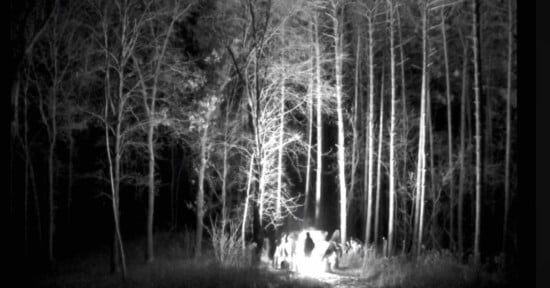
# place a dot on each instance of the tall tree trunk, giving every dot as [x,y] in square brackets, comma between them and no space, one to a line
[319,171]
[310,138]
[391,204]
[420,182]
[39,228]
[245,213]
[449,133]
[51,207]
[462,176]
[224,172]
[172,185]
[508,128]
[150,108]
[176,196]
[355,149]
[370,126]
[200,194]
[338,54]
[151,195]
[281,142]
[27,172]
[434,229]
[51,155]
[379,163]
[114,175]
[477,103]
[70,180]
[405,116]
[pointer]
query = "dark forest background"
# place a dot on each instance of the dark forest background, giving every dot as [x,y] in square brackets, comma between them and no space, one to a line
[214,119]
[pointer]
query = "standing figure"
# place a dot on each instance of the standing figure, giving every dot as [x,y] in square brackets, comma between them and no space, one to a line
[309,245]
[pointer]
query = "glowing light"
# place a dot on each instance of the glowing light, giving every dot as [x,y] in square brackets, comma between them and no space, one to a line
[312,266]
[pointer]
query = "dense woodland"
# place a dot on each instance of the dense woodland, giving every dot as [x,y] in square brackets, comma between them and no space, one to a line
[392,121]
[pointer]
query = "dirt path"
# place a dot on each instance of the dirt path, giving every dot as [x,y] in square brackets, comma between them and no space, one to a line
[337,278]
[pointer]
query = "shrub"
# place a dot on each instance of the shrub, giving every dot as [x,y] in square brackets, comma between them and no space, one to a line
[226,243]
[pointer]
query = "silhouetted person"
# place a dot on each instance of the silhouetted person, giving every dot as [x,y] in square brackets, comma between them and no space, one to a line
[308,247]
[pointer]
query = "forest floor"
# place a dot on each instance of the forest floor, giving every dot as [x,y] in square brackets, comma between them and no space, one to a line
[174,267]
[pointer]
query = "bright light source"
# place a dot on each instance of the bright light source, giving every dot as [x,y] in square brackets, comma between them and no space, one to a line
[312,266]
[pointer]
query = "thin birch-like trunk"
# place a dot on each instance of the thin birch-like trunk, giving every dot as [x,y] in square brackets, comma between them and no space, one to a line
[310,138]
[508,129]
[281,140]
[370,133]
[420,187]
[379,163]
[355,143]
[319,172]
[200,194]
[405,116]
[245,213]
[392,195]
[477,103]
[462,176]
[338,42]
[449,132]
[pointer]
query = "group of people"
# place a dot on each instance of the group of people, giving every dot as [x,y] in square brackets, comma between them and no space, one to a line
[286,251]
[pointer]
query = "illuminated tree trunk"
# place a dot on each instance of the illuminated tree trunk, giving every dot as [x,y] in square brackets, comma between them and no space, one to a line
[477,103]
[281,139]
[405,116]
[319,177]
[449,133]
[356,111]
[379,163]
[200,194]
[245,213]
[160,52]
[151,195]
[224,172]
[462,175]
[369,162]
[310,138]
[420,180]
[338,54]
[391,204]
[114,168]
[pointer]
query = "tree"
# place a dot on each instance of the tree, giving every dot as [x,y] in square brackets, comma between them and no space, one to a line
[117,37]
[319,114]
[369,162]
[310,101]
[462,152]
[208,106]
[420,172]
[392,134]
[508,127]
[379,161]
[52,64]
[477,103]
[449,127]
[336,9]
[154,65]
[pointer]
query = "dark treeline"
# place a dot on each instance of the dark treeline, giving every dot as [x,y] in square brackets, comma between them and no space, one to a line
[392,121]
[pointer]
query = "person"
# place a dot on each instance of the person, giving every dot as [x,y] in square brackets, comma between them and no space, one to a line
[309,245]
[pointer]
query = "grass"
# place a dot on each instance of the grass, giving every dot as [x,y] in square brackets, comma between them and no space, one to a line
[431,269]
[175,267]
[172,267]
